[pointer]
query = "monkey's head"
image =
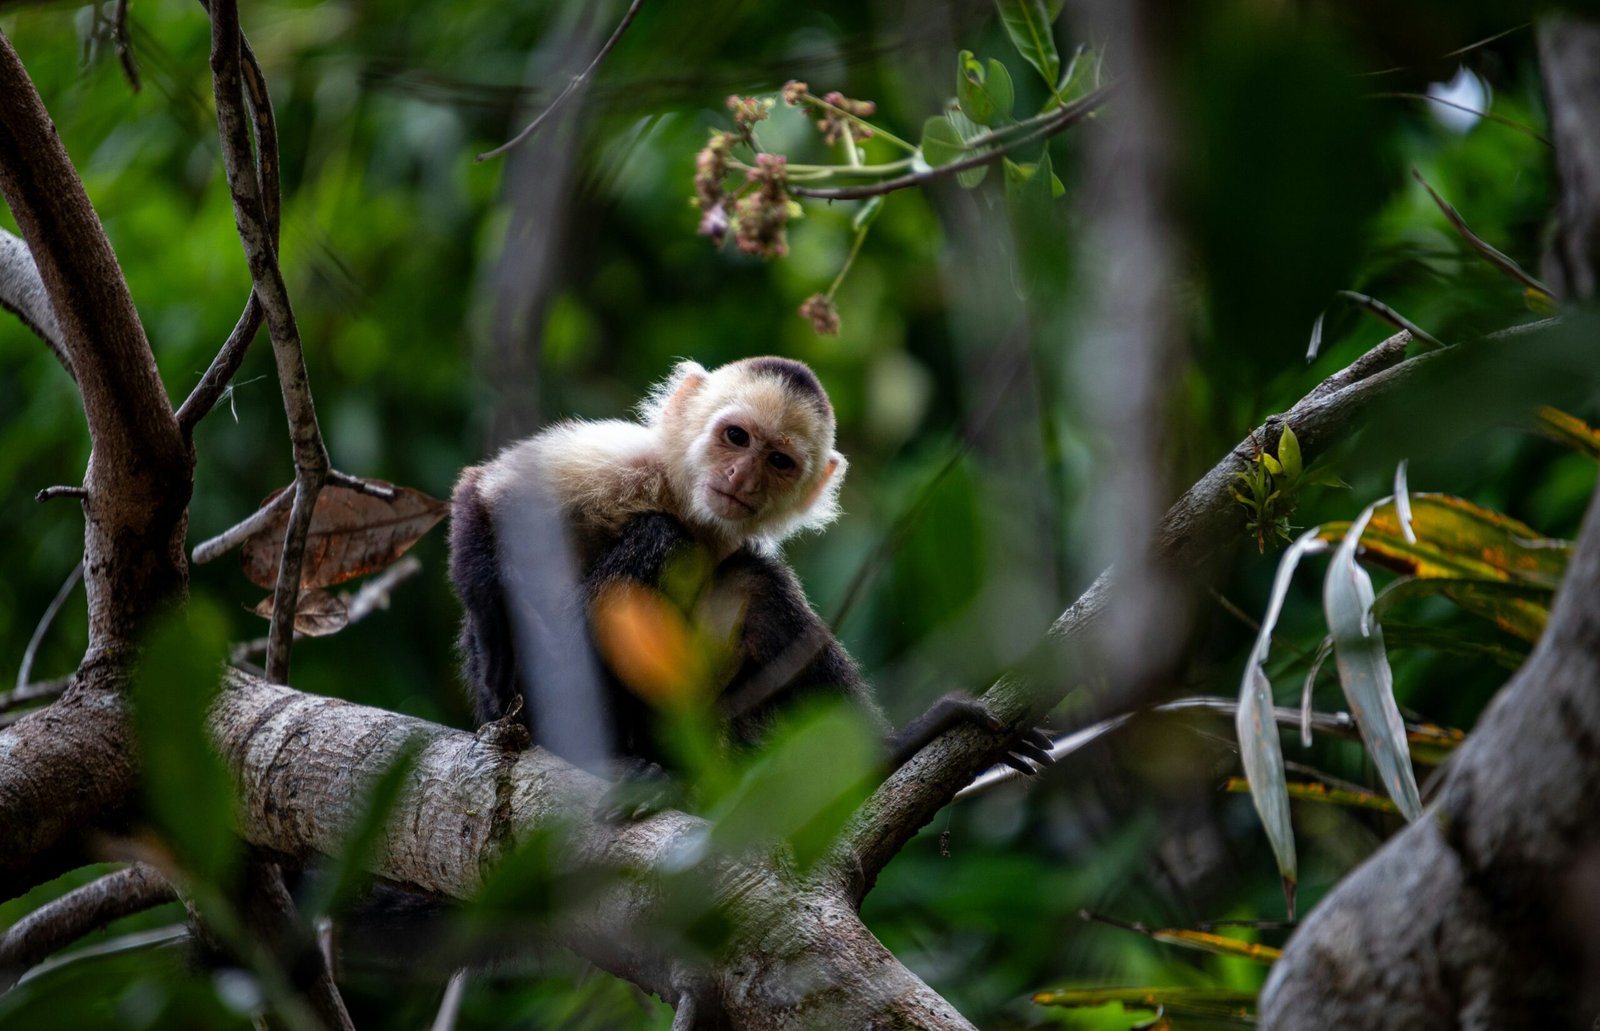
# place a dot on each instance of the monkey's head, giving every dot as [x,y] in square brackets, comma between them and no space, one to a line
[749,447]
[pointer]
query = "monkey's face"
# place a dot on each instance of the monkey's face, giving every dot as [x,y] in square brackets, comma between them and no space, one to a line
[751,470]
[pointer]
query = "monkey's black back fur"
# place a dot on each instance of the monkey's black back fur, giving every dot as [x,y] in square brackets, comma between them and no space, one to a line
[785,651]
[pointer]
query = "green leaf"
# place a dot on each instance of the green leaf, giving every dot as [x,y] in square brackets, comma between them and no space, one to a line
[941,143]
[1172,1001]
[802,789]
[868,214]
[1518,609]
[1271,464]
[969,130]
[1364,671]
[1028,23]
[188,790]
[1289,452]
[984,93]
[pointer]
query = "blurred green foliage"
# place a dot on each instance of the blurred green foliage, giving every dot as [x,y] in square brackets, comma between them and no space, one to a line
[971,471]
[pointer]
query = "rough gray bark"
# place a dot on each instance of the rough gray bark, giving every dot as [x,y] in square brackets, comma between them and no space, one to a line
[1482,914]
[797,957]
[63,921]
[1471,917]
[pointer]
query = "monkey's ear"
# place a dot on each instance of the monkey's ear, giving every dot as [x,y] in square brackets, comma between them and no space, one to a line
[668,395]
[819,504]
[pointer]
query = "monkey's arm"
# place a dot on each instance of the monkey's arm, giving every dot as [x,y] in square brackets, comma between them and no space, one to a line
[789,652]
[487,647]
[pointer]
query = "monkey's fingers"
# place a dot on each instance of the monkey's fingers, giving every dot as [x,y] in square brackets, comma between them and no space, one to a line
[1039,739]
[1019,764]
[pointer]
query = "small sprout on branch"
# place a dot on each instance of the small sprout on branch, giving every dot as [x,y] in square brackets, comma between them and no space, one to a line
[760,217]
[747,111]
[824,317]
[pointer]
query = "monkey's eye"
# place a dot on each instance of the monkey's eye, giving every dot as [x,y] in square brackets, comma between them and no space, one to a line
[779,460]
[736,436]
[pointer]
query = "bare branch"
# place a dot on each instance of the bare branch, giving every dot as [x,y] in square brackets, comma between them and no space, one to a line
[255,232]
[43,691]
[214,384]
[227,540]
[1068,116]
[26,669]
[79,912]
[124,45]
[22,293]
[356,483]
[140,473]
[577,81]
[52,493]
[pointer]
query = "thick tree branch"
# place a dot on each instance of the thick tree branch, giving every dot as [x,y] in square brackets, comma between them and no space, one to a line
[1569,52]
[1206,518]
[1474,915]
[82,911]
[140,472]
[310,454]
[797,955]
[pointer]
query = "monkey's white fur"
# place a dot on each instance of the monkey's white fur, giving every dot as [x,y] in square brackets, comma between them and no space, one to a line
[603,472]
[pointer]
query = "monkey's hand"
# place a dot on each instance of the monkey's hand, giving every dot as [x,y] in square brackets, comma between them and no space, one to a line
[1028,752]
[642,789]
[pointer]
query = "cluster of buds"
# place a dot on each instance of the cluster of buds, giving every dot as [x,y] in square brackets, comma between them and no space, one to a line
[710,169]
[834,123]
[823,315]
[794,92]
[764,211]
[747,111]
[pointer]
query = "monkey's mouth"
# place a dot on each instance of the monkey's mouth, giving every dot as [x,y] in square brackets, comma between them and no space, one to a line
[736,505]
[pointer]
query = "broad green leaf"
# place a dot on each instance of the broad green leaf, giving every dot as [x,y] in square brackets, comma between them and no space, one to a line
[1029,23]
[984,93]
[188,790]
[1518,609]
[1364,671]
[1450,642]
[818,768]
[1457,539]
[1289,452]
[1569,430]
[941,143]
[1217,944]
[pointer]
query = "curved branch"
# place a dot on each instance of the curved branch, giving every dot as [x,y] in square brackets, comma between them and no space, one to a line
[797,955]
[257,235]
[79,912]
[1205,518]
[140,472]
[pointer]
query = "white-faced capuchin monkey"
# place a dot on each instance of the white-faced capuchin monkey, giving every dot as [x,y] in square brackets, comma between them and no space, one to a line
[731,461]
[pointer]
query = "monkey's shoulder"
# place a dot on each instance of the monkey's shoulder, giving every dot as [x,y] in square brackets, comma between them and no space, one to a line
[598,473]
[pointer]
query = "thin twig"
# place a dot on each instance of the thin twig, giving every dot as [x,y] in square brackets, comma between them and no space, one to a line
[43,691]
[26,669]
[1392,317]
[310,453]
[236,535]
[360,486]
[1070,115]
[124,47]
[1509,123]
[577,80]
[51,493]
[213,386]
[1493,254]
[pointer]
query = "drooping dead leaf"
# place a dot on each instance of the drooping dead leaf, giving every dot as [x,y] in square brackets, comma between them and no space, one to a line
[352,534]
[317,614]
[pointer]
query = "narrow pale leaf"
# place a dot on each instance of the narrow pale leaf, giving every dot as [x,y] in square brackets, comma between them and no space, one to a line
[1324,650]
[1402,503]
[1364,671]
[1316,337]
